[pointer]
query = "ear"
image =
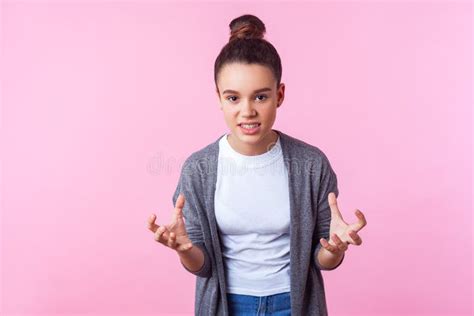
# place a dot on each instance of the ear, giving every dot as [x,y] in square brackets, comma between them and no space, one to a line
[281,94]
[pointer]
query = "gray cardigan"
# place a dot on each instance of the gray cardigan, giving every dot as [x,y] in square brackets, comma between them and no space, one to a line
[311,178]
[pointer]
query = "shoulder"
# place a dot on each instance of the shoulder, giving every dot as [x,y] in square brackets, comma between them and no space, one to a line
[205,158]
[303,151]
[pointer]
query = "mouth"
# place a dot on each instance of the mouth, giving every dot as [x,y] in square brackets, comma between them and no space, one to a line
[250,129]
[252,124]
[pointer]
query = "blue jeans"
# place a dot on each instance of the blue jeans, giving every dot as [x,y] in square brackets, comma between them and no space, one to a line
[248,305]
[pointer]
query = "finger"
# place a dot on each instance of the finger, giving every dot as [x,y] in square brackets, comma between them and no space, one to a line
[351,240]
[180,201]
[172,240]
[326,245]
[333,205]
[166,232]
[339,243]
[184,247]
[160,235]
[178,208]
[355,237]
[362,221]
[151,223]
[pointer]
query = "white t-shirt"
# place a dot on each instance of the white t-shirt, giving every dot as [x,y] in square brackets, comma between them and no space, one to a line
[252,210]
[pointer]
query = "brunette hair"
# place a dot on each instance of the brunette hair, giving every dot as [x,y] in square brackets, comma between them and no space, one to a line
[247,45]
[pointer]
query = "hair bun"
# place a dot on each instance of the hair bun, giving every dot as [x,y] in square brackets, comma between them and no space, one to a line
[246,26]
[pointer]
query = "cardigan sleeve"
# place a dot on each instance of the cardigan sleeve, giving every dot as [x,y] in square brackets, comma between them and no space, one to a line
[192,220]
[327,184]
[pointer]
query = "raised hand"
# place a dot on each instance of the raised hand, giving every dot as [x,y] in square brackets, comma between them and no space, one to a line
[173,235]
[342,234]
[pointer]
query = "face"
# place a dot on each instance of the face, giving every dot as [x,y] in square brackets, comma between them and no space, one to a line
[248,93]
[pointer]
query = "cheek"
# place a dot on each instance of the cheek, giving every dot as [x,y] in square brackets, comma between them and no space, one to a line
[269,112]
[270,117]
[230,116]
[230,113]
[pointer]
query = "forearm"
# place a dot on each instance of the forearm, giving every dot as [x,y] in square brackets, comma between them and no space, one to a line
[192,259]
[328,260]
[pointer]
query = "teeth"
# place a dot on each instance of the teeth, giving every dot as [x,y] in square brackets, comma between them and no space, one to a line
[249,126]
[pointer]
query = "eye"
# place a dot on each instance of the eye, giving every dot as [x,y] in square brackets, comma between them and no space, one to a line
[232,96]
[229,98]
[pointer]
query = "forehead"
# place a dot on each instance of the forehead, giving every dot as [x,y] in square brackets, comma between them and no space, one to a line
[245,78]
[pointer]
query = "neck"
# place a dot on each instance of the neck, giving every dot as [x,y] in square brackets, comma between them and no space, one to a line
[253,149]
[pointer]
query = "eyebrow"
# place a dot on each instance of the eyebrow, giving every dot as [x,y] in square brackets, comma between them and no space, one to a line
[256,91]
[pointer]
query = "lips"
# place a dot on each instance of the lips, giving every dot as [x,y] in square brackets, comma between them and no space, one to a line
[251,130]
[250,123]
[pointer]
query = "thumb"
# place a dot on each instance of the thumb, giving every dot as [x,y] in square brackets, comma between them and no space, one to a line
[178,208]
[333,205]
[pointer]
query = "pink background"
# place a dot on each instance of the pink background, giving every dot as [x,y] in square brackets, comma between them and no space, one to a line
[102,102]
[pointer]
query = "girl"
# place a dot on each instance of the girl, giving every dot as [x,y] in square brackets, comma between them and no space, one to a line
[254,209]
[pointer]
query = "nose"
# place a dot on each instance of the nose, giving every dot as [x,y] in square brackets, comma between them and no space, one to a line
[247,109]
